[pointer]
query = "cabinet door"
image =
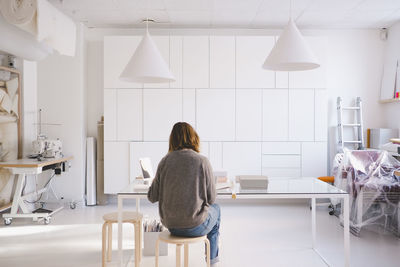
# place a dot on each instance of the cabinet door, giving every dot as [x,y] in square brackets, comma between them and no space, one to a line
[251,52]
[175,60]
[196,62]
[116,166]
[314,159]
[321,115]
[275,115]
[215,111]
[110,115]
[222,62]
[118,50]
[241,158]
[248,114]
[162,109]
[189,106]
[129,115]
[301,115]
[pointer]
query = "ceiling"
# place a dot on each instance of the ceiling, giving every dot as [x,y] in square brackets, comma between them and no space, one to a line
[233,13]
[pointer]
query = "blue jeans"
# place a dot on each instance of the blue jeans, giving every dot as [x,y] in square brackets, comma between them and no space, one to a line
[209,227]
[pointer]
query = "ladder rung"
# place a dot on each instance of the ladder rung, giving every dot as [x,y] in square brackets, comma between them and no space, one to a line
[351,108]
[352,124]
[352,142]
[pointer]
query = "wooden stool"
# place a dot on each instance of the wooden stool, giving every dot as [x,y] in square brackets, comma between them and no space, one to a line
[179,241]
[127,217]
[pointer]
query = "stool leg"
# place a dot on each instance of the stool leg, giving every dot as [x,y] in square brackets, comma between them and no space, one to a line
[186,255]
[137,249]
[103,244]
[157,248]
[140,240]
[208,252]
[178,255]
[109,251]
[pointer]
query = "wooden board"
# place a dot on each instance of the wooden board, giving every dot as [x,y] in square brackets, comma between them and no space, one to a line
[32,163]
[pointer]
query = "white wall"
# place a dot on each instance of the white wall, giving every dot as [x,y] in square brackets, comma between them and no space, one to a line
[354,68]
[62,98]
[392,51]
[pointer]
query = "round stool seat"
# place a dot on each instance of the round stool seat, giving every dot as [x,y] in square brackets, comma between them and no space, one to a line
[127,216]
[173,239]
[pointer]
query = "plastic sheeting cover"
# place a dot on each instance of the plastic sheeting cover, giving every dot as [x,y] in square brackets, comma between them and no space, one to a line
[372,179]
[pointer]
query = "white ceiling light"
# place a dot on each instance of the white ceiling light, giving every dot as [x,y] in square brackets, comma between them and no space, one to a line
[147,65]
[291,52]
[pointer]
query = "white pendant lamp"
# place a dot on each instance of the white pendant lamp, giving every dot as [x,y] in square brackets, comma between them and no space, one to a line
[291,52]
[147,65]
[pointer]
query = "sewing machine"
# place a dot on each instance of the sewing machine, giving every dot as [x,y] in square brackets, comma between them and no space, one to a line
[47,148]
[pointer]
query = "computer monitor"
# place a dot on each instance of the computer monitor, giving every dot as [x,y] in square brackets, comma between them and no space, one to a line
[147,169]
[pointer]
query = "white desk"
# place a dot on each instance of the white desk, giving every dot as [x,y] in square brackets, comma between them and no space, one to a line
[22,168]
[278,188]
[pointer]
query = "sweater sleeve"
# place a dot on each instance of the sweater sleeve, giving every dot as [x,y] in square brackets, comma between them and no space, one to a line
[210,182]
[153,193]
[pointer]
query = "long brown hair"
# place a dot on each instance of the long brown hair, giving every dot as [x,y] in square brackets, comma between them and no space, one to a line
[183,136]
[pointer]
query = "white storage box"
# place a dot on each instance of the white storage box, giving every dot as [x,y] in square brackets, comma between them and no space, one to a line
[252,181]
[381,136]
[149,249]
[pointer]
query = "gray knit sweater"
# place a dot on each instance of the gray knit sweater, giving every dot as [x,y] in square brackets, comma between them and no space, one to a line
[184,186]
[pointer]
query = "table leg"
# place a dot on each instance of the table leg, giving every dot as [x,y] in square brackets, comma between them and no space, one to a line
[313,223]
[17,194]
[346,226]
[120,252]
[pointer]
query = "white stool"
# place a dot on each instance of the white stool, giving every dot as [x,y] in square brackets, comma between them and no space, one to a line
[127,217]
[179,241]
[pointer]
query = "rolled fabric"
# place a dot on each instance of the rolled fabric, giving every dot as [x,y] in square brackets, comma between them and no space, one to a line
[41,19]
[21,13]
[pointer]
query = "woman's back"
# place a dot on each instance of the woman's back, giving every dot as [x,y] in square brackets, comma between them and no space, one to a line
[184,187]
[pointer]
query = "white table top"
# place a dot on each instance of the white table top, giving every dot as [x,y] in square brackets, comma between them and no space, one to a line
[303,185]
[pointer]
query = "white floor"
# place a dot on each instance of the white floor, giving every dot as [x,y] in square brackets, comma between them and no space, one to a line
[252,234]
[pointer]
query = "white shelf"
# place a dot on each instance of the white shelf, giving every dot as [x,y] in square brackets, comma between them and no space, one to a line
[392,100]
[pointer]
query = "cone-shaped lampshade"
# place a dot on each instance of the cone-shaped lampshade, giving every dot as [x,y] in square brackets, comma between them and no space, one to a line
[291,52]
[147,65]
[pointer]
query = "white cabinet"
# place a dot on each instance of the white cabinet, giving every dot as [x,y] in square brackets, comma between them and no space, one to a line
[175,60]
[315,78]
[215,110]
[110,115]
[189,106]
[248,114]
[222,62]
[281,161]
[281,172]
[314,159]
[321,115]
[275,115]
[196,62]
[301,115]
[241,158]
[215,155]
[153,150]
[162,44]
[251,51]
[281,148]
[116,166]
[118,50]
[162,109]
[129,115]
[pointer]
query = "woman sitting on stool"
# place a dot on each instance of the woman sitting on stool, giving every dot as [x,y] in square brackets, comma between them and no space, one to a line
[184,185]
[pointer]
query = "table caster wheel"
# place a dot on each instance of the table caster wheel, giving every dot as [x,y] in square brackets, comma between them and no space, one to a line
[72,205]
[331,212]
[7,221]
[47,220]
